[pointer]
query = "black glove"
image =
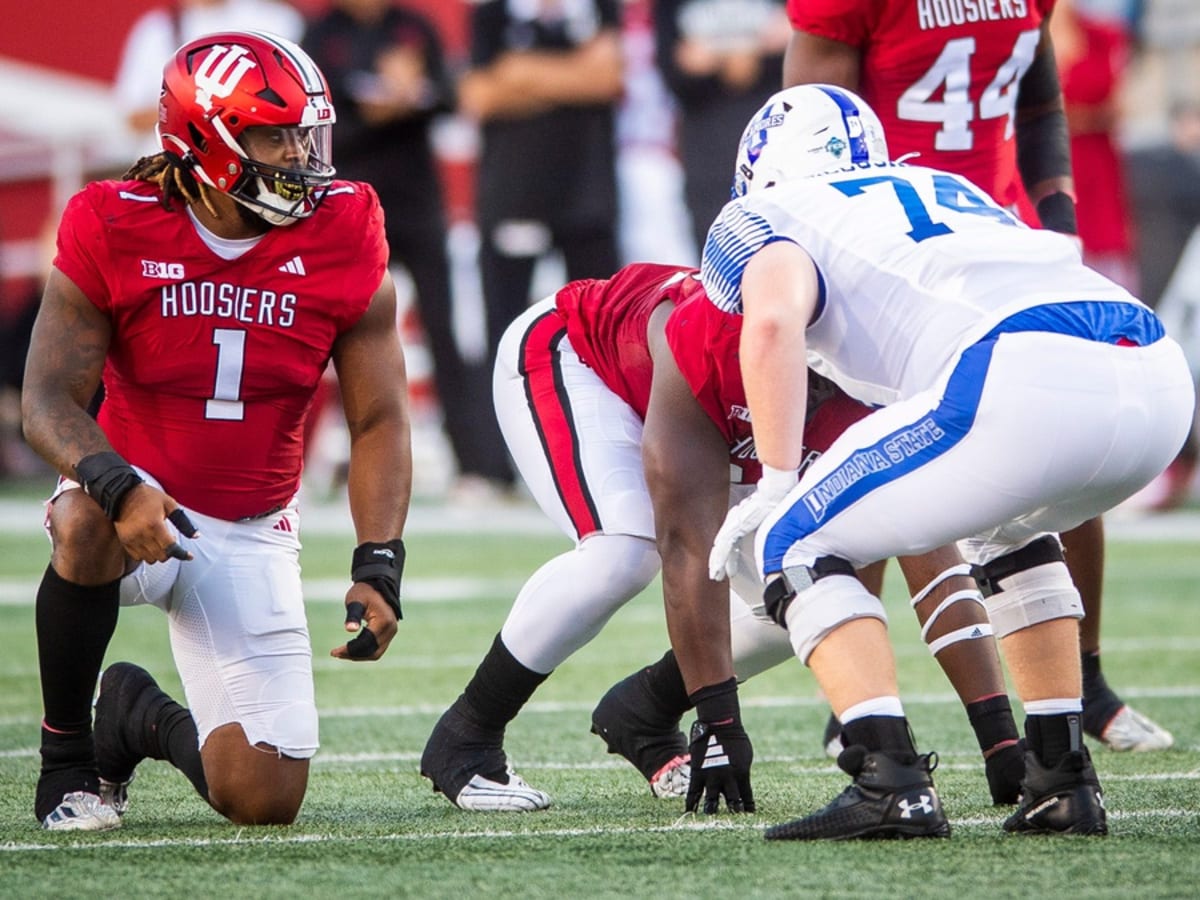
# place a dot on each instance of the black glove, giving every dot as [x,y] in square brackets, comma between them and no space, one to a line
[720,750]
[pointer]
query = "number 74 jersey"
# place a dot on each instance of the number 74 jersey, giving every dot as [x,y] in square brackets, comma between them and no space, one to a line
[942,75]
[213,362]
[915,265]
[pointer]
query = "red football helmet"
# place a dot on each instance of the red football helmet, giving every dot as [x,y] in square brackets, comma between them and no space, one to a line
[228,99]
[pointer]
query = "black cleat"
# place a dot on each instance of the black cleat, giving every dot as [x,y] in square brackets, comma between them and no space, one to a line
[890,798]
[468,765]
[1064,800]
[1004,770]
[634,726]
[121,685]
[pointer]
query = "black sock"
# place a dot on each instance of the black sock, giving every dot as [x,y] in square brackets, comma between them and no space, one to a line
[888,733]
[665,683]
[992,719]
[162,729]
[498,689]
[68,765]
[1053,737]
[1100,702]
[75,622]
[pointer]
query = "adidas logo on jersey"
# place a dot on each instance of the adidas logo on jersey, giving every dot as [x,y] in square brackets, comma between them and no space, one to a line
[294,266]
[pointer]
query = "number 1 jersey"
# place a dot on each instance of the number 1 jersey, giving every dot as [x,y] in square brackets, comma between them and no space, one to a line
[212,363]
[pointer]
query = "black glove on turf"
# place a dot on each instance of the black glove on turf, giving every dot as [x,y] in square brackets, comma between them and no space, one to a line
[720,750]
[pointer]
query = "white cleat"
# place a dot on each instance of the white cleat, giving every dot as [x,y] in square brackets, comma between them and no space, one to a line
[115,794]
[484,795]
[82,811]
[1129,730]
[672,780]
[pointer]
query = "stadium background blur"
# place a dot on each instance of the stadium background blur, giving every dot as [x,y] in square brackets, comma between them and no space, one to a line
[60,127]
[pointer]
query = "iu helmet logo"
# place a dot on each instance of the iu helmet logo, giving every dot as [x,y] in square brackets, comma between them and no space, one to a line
[220,73]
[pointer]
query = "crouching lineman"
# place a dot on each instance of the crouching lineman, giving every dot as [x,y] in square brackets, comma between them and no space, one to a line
[587,384]
[1020,394]
[209,290]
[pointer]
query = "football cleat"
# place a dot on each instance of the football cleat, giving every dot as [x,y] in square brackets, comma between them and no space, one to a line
[1063,800]
[673,779]
[116,794]
[513,795]
[889,798]
[468,765]
[633,725]
[1129,730]
[82,811]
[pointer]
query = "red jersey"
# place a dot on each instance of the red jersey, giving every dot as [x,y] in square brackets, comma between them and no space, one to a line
[212,363]
[941,74]
[607,325]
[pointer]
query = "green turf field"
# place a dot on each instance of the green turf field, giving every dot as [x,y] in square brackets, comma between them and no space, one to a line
[372,827]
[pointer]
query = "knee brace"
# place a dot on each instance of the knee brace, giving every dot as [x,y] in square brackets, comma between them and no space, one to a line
[1028,586]
[810,603]
[966,633]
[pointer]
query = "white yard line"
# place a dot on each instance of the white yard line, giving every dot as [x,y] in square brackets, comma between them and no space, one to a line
[683,823]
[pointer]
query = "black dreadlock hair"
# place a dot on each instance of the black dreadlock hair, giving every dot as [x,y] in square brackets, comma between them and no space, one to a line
[174,177]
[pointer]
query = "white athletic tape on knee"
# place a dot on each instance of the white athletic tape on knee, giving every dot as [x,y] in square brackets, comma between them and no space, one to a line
[828,603]
[971,594]
[961,569]
[1037,595]
[968,633]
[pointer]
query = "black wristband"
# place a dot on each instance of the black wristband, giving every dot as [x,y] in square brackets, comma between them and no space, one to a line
[106,477]
[1057,212]
[380,566]
[717,702]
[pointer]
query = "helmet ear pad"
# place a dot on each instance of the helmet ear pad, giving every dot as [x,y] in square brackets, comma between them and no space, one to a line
[805,130]
[218,86]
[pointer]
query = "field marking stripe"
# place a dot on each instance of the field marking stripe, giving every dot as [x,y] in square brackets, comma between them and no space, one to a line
[239,840]
[1186,692]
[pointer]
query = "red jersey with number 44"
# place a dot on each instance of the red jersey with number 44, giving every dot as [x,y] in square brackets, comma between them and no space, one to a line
[213,363]
[941,74]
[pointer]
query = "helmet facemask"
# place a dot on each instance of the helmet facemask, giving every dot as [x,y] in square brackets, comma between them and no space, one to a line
[283,194]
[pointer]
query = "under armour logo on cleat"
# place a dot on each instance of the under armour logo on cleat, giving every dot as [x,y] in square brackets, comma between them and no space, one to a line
[924,804]
[294,266]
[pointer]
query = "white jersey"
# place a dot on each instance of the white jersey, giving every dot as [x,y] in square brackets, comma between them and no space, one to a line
[915,264]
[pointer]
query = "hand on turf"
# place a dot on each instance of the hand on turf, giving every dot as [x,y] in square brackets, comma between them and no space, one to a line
[740,521]
[371,620]
[721,757]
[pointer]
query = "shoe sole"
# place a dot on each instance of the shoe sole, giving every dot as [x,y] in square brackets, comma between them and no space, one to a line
[787,832]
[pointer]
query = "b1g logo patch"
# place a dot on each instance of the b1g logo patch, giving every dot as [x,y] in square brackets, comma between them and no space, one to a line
[154,269]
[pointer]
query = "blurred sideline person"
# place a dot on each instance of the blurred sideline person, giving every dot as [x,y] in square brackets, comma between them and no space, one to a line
[719,58]
[209,290]
[978,96]
[157,33]
[589,382]
[544,82]
[1017,393]
[1092,54]
[389,81]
